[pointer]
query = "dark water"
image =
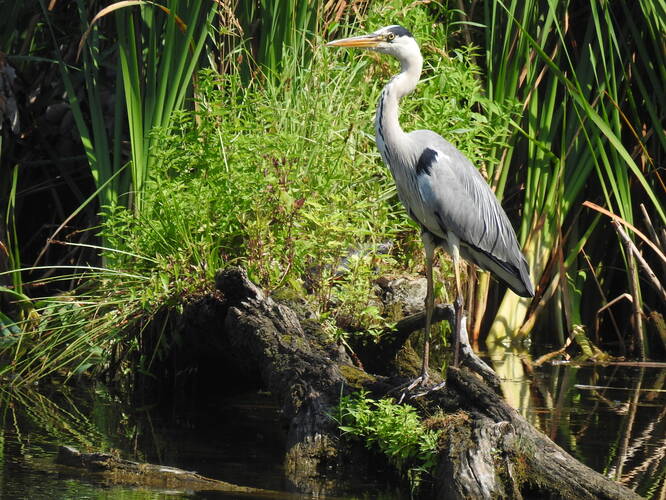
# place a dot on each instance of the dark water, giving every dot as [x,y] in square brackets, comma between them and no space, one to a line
[240,441]
[612,418]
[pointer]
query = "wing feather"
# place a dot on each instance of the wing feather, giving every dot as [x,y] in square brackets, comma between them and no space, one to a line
[451,195]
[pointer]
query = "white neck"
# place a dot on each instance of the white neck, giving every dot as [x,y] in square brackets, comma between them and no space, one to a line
[389,134]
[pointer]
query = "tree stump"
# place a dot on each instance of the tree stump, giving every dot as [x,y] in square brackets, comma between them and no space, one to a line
[490,452]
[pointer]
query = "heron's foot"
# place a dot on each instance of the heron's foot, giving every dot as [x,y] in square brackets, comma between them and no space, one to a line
[469,358]
[416,388]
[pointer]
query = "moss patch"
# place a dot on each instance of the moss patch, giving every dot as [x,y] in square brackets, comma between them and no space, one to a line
[355,377]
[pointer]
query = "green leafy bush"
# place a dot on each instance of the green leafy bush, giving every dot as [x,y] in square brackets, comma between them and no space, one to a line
[392,429]
[285,177]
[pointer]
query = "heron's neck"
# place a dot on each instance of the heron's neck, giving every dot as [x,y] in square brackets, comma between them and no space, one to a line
[387,125]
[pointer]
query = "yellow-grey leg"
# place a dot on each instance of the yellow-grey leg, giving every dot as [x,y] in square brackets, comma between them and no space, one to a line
[457,305]
[429,246]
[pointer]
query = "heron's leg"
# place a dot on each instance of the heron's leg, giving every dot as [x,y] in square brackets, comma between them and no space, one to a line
[429,246]
[457,305]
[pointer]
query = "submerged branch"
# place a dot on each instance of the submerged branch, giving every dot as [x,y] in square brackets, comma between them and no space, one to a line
[121,471]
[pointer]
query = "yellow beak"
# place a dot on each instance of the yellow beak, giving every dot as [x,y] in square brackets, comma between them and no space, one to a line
[364,41]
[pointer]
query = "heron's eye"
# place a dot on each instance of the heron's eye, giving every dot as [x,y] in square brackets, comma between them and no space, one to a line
[390,37]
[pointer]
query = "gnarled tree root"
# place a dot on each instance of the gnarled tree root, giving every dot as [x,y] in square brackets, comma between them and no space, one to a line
[504,452]
[491,452]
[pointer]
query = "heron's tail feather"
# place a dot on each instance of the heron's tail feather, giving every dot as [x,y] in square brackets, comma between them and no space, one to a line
[515,274]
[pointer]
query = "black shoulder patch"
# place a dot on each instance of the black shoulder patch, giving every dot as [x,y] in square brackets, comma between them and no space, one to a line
[424,165]
[400,31]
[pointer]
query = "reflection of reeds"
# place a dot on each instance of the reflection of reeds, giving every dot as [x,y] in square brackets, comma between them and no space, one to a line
[650,469]
[628,428]
[58,423]
[650,465]
[638,462]
[648,449]
[514,383]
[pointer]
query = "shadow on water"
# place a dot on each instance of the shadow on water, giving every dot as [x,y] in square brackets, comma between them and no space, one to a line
[612,418]
[240,441]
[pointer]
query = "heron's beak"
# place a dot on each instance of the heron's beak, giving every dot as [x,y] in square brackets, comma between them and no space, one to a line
[363,41]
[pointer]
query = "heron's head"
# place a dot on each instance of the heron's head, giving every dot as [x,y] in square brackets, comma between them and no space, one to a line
[393,40]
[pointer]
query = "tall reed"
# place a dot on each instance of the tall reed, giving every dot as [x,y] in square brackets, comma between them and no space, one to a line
[158,55]
[577,73]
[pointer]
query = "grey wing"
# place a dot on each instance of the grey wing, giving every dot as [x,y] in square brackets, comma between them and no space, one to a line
[454,197]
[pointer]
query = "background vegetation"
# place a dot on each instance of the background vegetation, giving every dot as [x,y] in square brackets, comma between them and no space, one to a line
[202,134]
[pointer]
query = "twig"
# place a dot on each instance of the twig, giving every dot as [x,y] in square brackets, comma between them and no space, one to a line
[617,218]
[653,234]
[463,22]
[633,285]
[648,223]
[600,289]
[441,312]
[626,296]
[643,263]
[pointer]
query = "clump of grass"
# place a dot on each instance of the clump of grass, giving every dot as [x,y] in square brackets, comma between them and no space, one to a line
[392,429]
[584,99]
[284,176]
[94,328]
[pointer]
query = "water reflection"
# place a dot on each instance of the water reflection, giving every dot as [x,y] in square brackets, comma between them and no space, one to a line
[514,381]
[611,417]
[240,441]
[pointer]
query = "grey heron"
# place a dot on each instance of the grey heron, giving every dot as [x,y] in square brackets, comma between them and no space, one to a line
[440,188]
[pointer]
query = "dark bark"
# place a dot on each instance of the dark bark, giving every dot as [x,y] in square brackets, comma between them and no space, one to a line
[303,372]
[490,450]
[506,446]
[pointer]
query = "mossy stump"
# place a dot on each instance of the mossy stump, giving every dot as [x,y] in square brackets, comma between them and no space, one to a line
[492,452]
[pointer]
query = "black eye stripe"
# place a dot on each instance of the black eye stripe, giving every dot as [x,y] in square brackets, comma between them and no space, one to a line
[399,31]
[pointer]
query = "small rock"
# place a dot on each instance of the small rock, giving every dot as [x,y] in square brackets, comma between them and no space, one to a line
[406,294]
